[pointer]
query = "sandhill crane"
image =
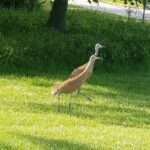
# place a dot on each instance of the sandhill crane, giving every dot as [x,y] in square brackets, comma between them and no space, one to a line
[80,69]
[72,84]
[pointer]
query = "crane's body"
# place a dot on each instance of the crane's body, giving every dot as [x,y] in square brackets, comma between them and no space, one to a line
[72,84]
[78,71]
[77,77]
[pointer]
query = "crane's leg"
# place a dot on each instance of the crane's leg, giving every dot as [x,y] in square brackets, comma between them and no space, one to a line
[58,97]
[69,102]
[84,96]
[78,91]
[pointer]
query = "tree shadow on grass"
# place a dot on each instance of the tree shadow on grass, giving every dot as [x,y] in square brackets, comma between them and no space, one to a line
[121,97]
[114,115]
[55,144]
[5,146]
[37,79]
[104,113]
[136,84]
[126,86]
[108,114]
[129,89]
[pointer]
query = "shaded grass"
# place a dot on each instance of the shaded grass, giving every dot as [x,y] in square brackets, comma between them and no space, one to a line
[55,144]
[117,118]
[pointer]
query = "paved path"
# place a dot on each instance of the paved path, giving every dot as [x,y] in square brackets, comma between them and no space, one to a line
[111,8]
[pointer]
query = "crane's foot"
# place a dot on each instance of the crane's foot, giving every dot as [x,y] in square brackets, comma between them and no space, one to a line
[58,109]
[85,96]
[89,99]
[69,107]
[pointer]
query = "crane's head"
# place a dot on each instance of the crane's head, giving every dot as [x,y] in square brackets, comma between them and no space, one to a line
[97,46]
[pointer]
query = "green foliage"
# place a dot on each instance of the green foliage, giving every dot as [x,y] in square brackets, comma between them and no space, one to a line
[58,15]
[7,52]
[18,3]
[12,3]
[27,43]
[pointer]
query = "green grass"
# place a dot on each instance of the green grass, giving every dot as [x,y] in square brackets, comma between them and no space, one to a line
[118,117]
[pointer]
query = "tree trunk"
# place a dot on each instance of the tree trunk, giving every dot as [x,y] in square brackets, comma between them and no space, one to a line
[144,7]
[13,4]
[57,17]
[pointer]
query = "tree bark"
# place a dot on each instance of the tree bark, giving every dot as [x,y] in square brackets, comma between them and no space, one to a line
[57,17]
[144,7]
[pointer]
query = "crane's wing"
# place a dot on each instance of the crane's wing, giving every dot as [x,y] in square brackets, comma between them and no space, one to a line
[77,71]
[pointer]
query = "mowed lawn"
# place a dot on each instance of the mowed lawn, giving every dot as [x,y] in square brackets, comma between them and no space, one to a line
[117,118]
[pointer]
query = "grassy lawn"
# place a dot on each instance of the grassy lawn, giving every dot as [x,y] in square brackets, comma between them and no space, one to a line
[118,117]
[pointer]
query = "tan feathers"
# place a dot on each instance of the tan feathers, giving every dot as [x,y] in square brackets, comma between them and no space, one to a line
[78,70]
[74,83]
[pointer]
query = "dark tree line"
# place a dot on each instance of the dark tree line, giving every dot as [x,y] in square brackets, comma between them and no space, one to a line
[12,3]
[57,17]
[58,13]
[29,4]
[137,2]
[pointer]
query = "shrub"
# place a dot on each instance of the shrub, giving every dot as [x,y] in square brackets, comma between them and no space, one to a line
[12,3]
[18,3]
[25,43]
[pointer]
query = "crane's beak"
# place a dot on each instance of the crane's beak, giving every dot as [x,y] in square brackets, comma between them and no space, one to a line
[102,46]
[101,58]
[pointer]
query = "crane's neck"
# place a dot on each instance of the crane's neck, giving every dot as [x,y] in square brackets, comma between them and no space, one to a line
[88,70]
[96,51]
[90,66]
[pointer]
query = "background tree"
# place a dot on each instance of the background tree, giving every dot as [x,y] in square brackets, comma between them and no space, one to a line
[28,4]
[144,7]
[12,3]
[137,2]
[57,17]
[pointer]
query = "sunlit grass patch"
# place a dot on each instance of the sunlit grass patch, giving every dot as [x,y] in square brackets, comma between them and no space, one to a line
[118,117]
